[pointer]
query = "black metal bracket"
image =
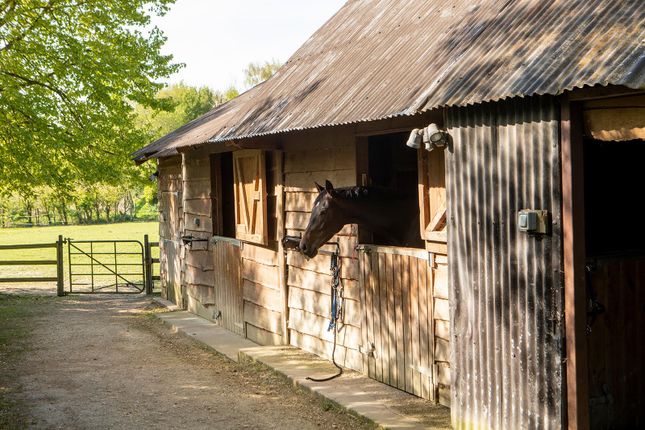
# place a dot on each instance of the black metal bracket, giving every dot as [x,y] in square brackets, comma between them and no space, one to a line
[291,242]
[188,240]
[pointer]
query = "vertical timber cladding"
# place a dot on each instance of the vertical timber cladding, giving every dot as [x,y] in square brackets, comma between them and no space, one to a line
[197,261]
[327,153]
[239,279]
[261,285]
[170,227]
[506,287]
[405,320]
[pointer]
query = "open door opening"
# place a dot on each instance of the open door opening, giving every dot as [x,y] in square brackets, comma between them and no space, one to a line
[615,282]
[391,166]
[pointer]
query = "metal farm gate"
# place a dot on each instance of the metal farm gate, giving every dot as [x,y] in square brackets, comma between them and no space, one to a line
[110,266]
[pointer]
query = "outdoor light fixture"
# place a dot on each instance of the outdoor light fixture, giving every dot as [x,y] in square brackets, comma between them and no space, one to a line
[430,137]
[434,138]
[415,139]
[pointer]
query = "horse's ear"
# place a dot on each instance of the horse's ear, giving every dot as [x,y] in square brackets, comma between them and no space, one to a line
[329,187]
[319,187]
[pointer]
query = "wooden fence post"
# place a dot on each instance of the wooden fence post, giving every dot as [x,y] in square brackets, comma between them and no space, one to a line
[147,253]
[60,277]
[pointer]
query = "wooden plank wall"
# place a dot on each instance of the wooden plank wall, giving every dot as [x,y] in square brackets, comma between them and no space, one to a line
[228,286]
[398,309]
[260,272]
[169,193]
[614,344]
[441,318]
[325,154]
[406,321]
[197,268]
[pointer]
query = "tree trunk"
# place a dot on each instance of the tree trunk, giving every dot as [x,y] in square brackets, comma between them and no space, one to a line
[62,210]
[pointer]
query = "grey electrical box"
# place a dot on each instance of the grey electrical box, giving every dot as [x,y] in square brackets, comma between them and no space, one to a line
[533,221]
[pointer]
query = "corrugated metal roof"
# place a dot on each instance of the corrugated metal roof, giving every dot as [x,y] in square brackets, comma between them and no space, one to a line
[376,59]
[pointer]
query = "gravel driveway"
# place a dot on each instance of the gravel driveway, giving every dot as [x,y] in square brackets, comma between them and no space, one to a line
[104,362]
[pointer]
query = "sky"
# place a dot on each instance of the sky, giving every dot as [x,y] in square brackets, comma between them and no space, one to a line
[217,39]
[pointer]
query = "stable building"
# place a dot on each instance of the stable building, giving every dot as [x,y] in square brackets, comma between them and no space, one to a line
[521,305]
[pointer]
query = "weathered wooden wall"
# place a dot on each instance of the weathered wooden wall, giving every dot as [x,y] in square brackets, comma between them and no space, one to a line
[198,278]
[170,190]
[615,346]
[227,298]
[301,288]
[317,156]
[441,333]
[263,305]
[405,320]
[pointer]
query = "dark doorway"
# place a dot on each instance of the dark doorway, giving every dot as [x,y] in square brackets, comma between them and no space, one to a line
[386,162]
[615,273]
[222,193]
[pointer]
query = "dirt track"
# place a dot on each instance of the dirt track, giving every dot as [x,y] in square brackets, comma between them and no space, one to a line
[104,362]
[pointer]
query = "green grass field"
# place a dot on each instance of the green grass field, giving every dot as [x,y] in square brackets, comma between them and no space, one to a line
[119,231]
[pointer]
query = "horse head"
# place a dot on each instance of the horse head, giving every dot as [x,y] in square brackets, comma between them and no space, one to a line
[325,221]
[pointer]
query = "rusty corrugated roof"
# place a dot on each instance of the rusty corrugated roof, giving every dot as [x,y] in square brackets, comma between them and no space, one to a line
[376,59]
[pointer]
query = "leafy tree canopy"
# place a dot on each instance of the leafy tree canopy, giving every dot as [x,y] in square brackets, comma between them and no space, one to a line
[184,103]
[71,72]
[256,73]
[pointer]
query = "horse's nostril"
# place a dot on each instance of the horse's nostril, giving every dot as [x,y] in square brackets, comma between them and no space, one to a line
[303,246]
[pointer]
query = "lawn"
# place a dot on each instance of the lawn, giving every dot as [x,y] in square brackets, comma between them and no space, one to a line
[118,231]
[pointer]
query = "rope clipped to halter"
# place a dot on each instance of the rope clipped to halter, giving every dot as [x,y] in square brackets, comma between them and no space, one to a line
[336,310]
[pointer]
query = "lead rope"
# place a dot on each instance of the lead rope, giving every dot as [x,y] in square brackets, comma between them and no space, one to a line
[336,311]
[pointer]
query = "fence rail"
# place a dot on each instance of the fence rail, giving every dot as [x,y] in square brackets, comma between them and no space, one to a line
[58,262]
[148,277]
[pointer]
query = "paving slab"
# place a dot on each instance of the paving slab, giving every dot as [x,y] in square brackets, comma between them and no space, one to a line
[380,403]
[204,331]
[166,303]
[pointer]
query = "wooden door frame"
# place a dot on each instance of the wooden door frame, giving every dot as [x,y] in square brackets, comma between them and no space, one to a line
[573,245]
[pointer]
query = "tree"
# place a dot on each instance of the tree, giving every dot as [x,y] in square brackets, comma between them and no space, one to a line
[71,72]
[181,104]
[256,73]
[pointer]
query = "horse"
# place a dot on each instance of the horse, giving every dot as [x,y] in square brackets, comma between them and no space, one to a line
[390,215]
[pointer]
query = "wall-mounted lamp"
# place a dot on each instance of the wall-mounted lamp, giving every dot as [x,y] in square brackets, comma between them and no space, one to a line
[415,139]
[434,138]
[431,137]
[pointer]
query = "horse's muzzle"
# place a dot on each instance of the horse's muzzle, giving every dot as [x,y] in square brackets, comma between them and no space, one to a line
[307,250]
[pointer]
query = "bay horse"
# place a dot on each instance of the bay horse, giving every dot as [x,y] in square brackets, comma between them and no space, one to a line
[390,215]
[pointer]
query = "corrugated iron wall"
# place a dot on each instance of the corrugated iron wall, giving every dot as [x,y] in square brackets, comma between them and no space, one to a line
[506,286]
